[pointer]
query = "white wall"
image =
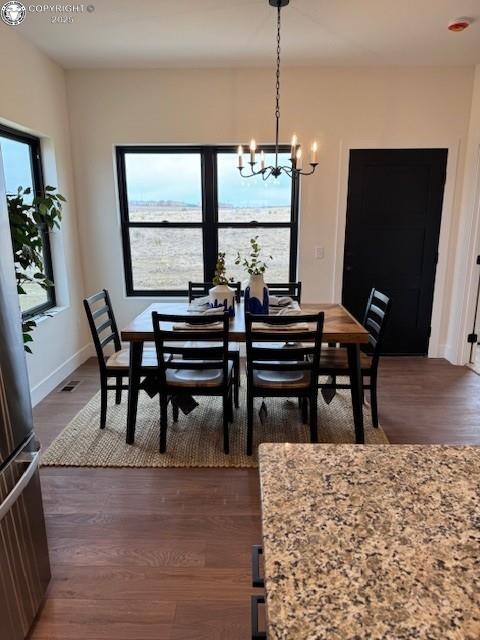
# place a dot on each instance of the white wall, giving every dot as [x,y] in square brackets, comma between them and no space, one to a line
[383,107]
[468,247]
[33,98]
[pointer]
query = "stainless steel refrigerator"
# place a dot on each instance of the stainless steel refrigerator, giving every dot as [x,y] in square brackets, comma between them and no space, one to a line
[24,563]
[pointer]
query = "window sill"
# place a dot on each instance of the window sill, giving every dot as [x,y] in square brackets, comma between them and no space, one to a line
[46,315]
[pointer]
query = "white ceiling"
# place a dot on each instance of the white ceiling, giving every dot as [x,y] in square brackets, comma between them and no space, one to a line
[222,33]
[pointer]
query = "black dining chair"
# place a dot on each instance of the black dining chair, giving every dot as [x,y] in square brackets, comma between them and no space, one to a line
[284,371]
[113,359]
[200,290]
[199,367]
[291,289]
[334,361]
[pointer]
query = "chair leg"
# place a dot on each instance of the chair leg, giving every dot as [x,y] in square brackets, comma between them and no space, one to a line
[304,408]
[313,417]
[174,410]
[118,391]
[249,424]
[226,412]
[163,422]
[373,400]
[236,380]
[230,406]
[103,402]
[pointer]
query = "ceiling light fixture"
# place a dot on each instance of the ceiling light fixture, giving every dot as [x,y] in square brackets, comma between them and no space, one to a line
[295,168]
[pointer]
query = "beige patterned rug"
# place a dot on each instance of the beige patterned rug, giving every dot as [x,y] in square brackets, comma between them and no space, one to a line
[196,440]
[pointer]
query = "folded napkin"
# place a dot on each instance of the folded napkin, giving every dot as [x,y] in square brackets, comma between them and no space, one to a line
[279,301]
[205,311]
[294,326]
[186,326]
[290,311]
[277,310]
[198,304]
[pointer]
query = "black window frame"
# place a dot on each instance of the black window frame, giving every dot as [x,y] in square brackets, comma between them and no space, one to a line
[209,224]
[38,187]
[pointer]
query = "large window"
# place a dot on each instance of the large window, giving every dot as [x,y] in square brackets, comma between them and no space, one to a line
[22,168]
[181,205]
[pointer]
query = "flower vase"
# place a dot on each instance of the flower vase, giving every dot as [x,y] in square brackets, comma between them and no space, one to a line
[222,296]
[256,295]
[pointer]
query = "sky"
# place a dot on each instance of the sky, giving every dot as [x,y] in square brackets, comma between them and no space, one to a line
[177,177]
[16,164]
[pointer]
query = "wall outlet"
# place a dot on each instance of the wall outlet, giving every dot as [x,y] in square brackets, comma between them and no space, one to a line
[319,253]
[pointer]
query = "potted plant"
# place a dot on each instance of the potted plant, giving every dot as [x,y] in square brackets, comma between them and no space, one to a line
[256,291]
[221,295]
[26,220]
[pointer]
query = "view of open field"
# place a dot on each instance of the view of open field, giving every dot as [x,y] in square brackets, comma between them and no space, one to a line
[167,258]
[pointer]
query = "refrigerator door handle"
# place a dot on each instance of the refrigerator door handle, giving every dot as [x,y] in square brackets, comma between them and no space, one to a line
[16,492]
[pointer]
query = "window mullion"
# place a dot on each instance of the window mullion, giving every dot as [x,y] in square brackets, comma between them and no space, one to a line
[210,205]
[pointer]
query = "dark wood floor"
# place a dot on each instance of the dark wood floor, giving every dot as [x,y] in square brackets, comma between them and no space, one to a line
[139,554]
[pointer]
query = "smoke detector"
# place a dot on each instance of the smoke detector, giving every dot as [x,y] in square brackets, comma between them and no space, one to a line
[459,24]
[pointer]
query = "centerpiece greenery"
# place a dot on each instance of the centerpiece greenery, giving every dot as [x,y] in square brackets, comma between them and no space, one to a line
[220,276]
[254,265]
[26,223]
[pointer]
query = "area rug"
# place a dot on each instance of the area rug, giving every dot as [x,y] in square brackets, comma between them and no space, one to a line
[196,440]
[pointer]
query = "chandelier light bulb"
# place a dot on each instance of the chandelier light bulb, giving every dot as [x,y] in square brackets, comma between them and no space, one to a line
[299,158]
[294,147]
[240,157]
[314,153]
[253,148]
[262,160]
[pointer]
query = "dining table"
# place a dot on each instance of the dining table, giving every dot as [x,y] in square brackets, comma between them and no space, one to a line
[339,327]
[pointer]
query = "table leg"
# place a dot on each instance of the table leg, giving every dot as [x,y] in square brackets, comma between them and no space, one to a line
[356,384]
[136,353]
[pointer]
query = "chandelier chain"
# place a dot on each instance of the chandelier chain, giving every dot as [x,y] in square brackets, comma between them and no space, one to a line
[277,104]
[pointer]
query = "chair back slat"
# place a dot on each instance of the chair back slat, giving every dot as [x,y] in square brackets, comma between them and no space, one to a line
[375,320]
[373,327]
[271,349]
[191,349]
[100,312]
[107,340]
[104,326]
[99,306]
[201,289]
[291,289]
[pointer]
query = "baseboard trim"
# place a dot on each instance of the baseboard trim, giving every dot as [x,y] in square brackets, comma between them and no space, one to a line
[48,384]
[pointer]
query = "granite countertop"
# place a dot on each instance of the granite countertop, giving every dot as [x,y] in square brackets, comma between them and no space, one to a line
[370,542]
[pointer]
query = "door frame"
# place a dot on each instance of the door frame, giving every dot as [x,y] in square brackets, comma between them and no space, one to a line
[468,272]
[435,348]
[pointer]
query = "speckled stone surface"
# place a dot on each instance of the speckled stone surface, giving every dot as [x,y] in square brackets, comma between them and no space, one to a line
[375,541]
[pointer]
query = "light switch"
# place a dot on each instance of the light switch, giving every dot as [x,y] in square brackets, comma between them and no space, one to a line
[319,253]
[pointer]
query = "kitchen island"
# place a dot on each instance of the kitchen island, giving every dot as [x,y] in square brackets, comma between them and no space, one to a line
[377,542]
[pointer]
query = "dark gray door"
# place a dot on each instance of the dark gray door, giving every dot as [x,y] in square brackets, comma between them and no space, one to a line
[394,210]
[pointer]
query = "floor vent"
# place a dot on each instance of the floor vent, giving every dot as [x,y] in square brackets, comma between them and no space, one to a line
[70,386]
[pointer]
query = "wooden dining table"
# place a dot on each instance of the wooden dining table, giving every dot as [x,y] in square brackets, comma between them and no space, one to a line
[339,327]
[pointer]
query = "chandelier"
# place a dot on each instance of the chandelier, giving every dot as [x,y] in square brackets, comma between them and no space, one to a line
[295,168]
